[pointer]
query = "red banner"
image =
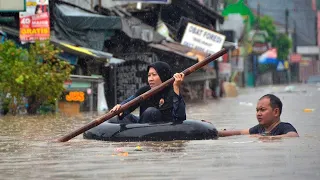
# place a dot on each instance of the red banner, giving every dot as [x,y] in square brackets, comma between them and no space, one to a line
[35,23]
[295,58]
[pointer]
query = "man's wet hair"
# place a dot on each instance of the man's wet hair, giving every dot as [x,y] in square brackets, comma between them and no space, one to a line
[275,102]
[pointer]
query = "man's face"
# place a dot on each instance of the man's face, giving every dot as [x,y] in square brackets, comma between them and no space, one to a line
[265,114]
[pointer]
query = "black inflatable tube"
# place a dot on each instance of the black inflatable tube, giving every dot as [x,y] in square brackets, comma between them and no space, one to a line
[186,130]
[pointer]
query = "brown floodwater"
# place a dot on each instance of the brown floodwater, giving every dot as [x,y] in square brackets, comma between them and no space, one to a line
[27,150]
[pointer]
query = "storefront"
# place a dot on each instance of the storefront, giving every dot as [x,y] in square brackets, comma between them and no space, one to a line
[83,93]
[86,89]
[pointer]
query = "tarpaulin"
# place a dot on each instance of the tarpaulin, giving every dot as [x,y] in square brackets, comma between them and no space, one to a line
[83,28]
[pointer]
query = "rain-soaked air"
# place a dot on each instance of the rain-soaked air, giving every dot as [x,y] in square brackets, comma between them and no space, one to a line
[161,89]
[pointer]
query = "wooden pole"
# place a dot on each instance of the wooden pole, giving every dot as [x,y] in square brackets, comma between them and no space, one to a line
[140,98]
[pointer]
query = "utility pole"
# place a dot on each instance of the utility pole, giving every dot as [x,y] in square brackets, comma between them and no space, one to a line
[316,28]
[258,19]
[295,37]
[287,16]
[287,33]
[255,56]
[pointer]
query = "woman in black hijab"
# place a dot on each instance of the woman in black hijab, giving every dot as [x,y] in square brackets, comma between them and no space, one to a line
[165,106]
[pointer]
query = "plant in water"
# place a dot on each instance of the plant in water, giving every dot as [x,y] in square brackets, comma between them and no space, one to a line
[35,74]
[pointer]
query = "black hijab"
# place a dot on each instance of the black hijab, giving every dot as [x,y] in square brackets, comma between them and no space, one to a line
[163,69]
[166,95]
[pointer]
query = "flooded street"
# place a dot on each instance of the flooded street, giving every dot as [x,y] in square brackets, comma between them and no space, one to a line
[27,152]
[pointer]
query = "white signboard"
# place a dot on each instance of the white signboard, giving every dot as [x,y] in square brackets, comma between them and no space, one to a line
[12,5]
[202,39]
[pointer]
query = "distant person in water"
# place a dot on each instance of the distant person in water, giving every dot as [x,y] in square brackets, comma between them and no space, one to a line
[42,6]
[269,108]
[165,106]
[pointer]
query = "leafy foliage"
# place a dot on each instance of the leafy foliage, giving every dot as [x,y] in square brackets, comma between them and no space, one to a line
[35,73]
[266,23]
[280,41]
[283,45]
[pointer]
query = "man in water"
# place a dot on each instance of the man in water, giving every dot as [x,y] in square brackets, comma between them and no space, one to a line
[269,108]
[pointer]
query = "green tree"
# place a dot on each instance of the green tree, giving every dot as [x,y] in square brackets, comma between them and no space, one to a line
[12,67]
[36,74]
[280,41]
[266,23]
[283,44]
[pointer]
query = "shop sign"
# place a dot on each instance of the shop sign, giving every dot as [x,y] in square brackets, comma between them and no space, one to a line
[35,21]
[304,63]
[295,58]
[259,48]
[68,83]
[75,96]
[202,39]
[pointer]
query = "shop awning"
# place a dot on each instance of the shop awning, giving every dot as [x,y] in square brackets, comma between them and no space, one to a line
[89,53]
[83,52]
[9,30]
[82,27]
[173,47]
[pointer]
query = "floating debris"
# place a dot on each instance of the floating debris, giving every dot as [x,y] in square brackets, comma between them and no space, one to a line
[289,88]
[246,103]
[121,154]
[308,110]
[118,150]
[138,148]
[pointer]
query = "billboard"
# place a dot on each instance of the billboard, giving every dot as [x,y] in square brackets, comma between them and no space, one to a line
[202,39]
[12,5]
[35,21]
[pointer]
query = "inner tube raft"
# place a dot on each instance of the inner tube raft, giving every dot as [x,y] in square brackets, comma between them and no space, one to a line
[186,130]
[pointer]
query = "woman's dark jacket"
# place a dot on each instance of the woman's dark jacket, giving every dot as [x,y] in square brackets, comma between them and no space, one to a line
[173,108]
